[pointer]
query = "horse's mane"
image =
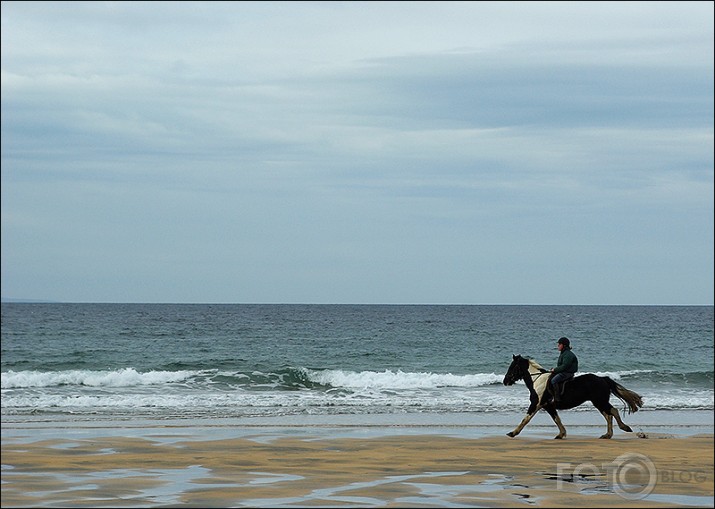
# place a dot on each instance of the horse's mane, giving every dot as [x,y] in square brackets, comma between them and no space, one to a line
[535,364]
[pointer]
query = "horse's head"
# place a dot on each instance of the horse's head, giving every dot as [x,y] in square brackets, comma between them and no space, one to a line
[517,370]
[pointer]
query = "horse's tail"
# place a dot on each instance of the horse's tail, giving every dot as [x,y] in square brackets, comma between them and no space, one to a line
[631,399]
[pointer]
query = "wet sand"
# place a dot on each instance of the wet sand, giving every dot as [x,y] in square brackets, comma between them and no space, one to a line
[309,468]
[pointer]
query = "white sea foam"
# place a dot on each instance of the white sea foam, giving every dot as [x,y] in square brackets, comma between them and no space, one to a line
[618,375]
[389,379]
[118,378]
[366,399]
[129,392]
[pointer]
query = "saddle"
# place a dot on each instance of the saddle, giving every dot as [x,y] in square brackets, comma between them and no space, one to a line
[557,391]
[560,387]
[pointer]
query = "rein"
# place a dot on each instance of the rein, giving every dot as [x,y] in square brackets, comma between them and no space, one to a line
[537,375]
[534,376]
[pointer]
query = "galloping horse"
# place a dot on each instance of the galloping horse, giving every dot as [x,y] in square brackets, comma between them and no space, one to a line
[587,387]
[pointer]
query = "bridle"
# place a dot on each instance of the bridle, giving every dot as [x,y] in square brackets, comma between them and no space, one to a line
[532,375]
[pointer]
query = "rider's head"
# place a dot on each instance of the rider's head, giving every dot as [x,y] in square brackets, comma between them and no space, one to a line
[565,341]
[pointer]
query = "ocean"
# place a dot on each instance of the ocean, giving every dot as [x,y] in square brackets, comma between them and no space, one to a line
[90,363]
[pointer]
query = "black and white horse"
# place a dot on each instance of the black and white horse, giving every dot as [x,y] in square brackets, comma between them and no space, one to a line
[582,388]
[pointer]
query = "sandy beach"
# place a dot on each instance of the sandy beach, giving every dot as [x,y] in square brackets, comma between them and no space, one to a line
[346,467]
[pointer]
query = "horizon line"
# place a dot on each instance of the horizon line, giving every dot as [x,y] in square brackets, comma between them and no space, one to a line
[11,300]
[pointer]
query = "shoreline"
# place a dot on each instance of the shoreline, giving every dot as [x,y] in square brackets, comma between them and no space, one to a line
[369,462]
[467,426]
[481,423]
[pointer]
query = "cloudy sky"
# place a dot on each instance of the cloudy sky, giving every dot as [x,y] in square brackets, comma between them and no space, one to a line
[358,152]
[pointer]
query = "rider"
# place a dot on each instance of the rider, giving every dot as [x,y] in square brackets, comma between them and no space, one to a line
[565,368]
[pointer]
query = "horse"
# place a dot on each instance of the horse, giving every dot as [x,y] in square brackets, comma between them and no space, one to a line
[577,390]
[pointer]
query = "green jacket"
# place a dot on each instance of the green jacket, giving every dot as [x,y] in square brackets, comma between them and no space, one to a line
[567,363]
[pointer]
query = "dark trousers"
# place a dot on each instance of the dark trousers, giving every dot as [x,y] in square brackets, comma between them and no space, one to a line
[561,377]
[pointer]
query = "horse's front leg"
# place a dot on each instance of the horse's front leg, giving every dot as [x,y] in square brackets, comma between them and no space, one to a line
[533,409]
[557,420]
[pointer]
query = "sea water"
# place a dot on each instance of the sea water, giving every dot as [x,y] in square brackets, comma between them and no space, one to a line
[333,363]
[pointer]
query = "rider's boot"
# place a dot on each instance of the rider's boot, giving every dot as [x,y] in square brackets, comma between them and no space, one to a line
[558,387]
[548,396]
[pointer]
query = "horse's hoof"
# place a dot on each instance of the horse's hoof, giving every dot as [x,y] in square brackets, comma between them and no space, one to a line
[627,429]
[558,437]
[511,434]
[605,436]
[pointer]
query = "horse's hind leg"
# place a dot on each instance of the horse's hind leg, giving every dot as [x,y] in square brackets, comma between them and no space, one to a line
[609,421]
[621,424]
[609,412]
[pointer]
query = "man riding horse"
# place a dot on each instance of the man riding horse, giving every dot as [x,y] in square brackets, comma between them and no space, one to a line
[586,387]
[566,366]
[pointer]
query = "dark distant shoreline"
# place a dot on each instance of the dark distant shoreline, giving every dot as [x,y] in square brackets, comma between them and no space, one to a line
[27,301]
[7,300]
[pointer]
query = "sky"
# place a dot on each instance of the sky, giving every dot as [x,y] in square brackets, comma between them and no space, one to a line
[358,152]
